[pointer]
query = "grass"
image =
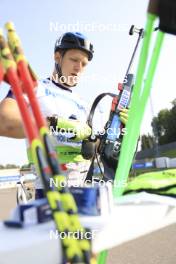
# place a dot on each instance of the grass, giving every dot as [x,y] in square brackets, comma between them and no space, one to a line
[169,153]
[134,173]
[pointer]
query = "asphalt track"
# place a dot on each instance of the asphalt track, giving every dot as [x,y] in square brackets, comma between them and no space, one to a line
[156,248]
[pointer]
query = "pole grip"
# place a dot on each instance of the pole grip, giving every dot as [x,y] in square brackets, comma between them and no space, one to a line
[153,7]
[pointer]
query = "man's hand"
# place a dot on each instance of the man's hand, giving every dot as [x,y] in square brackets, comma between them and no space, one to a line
[124,115]
[75,129]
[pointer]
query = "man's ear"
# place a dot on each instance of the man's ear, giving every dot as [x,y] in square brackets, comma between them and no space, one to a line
[57,57]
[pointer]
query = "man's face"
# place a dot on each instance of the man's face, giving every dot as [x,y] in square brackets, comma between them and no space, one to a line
[72,64]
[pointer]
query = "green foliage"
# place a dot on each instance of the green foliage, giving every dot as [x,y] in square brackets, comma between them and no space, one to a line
[147,141]
[163,126]
[9,166]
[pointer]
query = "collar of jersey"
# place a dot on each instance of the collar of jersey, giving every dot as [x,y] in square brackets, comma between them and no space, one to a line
[60,85]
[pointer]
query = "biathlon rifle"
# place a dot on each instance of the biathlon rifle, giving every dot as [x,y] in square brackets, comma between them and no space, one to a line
[110,141]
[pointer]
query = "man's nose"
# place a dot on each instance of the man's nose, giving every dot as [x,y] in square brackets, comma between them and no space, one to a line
[78,66]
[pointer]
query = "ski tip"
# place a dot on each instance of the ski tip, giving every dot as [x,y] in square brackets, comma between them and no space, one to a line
[9,26]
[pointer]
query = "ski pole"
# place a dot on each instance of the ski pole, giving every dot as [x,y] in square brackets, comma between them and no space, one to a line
[140,98]
[138,103]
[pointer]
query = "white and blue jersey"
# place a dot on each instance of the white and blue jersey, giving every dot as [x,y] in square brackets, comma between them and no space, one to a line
[54,99]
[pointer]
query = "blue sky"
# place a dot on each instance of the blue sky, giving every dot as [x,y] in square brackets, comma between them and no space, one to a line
[106,24]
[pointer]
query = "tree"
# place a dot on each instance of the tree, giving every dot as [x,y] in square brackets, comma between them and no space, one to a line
[164,128]
[147,141]
[164,125]
[11,166]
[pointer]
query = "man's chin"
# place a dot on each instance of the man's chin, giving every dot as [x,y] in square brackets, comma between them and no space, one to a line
[72,83]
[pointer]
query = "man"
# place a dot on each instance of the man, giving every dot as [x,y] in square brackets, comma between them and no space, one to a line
[59,104]
[72,53]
